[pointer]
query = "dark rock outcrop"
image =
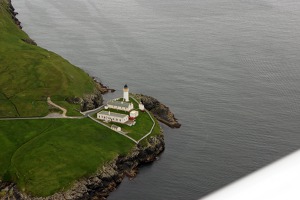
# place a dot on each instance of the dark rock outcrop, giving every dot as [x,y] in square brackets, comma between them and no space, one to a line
[92,101]
[29,41]
[88,102]
[101,87]
[13,14]
[161,112]
[105,180]
[11,10]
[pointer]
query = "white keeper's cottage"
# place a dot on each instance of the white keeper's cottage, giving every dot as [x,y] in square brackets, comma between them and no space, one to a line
[120,105]
[112,117]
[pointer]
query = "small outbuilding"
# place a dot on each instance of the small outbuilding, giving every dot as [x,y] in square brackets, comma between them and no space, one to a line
[116,128]
[133,114]
[141,106]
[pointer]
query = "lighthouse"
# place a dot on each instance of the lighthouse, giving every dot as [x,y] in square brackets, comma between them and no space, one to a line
[126,93]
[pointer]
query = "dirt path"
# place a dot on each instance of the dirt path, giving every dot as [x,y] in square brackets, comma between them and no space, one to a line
[50,115]
[57,106]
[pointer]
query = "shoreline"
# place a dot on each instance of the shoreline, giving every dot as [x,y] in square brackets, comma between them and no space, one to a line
[106,179]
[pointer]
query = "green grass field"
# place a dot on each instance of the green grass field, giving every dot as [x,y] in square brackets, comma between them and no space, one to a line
[72,109]
[52,153]
[142,127]
[28,73]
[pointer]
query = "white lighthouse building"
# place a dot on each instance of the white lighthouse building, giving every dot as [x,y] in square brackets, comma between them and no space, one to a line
[126,93]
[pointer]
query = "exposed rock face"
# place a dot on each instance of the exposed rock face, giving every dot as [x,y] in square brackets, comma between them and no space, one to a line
[11,10]
[88,102]
[92,101]
[161,112]
[103,182]
[14,14]
[101,87]
[29,41]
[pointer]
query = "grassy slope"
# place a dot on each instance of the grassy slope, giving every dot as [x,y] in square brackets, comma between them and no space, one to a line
[51,154]
[28,73]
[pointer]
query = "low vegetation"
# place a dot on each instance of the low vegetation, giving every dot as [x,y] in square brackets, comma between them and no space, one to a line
[72,109]
[28,73]
[44,156]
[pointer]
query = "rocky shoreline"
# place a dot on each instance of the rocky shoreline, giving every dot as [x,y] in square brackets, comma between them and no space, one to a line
[14,14]
[11,10]
[106,180]
[101,87]
[160,111]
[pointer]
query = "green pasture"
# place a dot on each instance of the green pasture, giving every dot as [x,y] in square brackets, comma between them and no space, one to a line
[47,155]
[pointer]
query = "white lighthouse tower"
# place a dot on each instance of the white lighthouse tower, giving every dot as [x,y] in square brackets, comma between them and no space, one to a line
[126,93]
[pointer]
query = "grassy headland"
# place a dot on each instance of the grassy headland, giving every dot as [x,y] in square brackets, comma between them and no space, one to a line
[44,156]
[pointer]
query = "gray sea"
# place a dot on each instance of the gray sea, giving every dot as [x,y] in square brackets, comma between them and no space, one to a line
[228,69]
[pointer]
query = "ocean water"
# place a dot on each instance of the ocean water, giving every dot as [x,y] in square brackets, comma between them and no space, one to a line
[228,69]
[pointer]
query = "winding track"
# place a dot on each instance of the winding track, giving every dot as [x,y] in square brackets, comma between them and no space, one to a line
[57,116]
[57,106]
[85,114]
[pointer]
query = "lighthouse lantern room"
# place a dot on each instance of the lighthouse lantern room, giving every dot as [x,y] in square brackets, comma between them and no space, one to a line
[126,93]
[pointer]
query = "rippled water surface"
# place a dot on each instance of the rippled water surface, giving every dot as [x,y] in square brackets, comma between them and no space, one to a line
[229,69]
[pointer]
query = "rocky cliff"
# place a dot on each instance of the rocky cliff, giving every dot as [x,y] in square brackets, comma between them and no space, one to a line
[13,14]
[101,87]
[94,100]
[88,102]
[104,181]
[160,111]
